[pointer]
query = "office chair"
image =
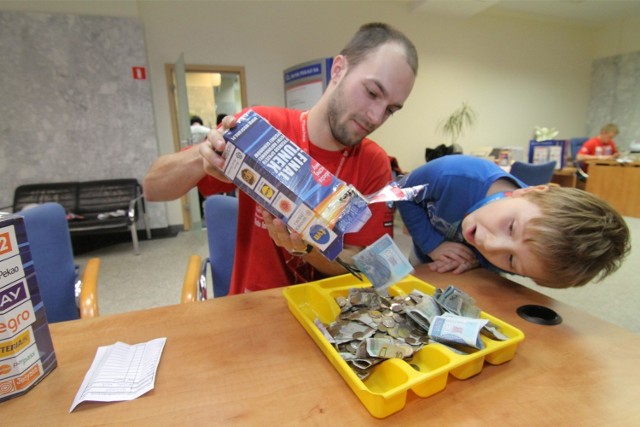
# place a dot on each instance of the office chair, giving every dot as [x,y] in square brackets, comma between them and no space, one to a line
[221,218]
[576,145]
[533,174]
[52,256]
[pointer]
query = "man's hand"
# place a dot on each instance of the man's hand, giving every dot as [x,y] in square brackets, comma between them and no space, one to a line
[212,148]
[280,234]
[452,256]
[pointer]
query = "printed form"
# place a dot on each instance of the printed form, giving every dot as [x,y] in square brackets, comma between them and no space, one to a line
[121,372]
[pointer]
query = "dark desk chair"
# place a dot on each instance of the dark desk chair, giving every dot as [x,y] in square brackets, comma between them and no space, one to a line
[576,145]
[531,174]
[221,218]
[52,255]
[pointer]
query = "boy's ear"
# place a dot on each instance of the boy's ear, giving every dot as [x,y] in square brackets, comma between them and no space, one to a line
[522,191]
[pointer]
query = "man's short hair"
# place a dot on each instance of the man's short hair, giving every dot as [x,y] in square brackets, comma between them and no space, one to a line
[196,119]
[371,36]
[609,128]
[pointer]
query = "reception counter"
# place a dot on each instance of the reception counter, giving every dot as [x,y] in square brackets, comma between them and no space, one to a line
[617,183]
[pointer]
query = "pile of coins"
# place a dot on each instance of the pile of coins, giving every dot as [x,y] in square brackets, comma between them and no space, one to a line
[372,328]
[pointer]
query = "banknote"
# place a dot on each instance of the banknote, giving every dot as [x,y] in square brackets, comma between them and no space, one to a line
[456,301]
[450,328]
[383,263]
[388,348]
[423,312]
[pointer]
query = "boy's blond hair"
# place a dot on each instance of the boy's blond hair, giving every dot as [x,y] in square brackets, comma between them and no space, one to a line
[578,238]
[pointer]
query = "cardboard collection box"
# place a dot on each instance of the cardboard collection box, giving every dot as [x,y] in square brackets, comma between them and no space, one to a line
[26,349]
[546,151]
[292,186]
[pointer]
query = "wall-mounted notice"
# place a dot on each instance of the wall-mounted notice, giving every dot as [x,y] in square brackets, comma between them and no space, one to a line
[304,83]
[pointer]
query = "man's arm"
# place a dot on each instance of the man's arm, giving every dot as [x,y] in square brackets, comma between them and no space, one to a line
[171,176]
[582,157]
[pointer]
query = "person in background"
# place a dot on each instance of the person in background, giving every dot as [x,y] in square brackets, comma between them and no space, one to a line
[602,146]
[370,80]
[474,213]
[198,130]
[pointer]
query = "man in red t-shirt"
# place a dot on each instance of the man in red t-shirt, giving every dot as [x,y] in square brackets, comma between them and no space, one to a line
[370,80]
[601,146]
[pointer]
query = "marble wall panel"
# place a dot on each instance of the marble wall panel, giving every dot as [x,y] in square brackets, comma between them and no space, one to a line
[70,108]
[615,97]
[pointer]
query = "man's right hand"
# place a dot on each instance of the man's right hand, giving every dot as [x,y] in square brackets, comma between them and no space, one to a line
[213,147]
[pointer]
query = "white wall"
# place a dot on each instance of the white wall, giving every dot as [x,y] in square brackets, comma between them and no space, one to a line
[617,38]
[515,73]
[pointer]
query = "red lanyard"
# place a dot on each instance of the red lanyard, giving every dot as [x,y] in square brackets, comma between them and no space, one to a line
[305,143]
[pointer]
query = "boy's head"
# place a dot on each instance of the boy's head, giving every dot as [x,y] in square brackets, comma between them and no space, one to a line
[560,237]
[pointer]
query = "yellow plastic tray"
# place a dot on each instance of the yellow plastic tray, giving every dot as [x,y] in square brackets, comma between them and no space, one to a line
[384,392]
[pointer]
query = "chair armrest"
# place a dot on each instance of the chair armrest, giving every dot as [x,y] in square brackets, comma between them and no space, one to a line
[191,280]
[89,292]
[131,213]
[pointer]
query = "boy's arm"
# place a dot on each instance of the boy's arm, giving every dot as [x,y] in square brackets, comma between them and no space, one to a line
[416,219]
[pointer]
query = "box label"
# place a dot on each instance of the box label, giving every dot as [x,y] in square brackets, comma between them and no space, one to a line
[13,294]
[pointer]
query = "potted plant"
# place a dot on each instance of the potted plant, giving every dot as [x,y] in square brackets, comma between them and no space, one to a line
[458,122]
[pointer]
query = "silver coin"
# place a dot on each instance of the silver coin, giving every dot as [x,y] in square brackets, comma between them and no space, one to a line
[388,322]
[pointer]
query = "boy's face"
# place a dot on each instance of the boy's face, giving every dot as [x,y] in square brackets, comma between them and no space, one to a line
[499,230]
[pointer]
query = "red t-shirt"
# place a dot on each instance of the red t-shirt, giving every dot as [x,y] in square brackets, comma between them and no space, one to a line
[590,145]
[259,263]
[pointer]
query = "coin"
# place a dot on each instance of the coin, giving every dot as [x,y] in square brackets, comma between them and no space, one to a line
[358,335]
[375,314]
[396,307]
[403,332]
[388,322]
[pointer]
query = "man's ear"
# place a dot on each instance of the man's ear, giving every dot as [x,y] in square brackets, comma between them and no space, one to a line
[338,68]
[522,191]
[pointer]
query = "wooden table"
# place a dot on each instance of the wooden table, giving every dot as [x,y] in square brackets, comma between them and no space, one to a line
[245,360]
[617,183]
[565,177]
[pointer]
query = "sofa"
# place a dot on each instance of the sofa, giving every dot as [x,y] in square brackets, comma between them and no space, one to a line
[92,207]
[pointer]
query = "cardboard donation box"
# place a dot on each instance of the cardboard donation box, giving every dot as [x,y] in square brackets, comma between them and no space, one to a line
[26,350]
[283,179]
[546,151]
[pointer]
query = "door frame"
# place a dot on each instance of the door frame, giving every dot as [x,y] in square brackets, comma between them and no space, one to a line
[173,110]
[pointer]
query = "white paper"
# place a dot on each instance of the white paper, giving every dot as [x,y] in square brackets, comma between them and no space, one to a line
[121,372]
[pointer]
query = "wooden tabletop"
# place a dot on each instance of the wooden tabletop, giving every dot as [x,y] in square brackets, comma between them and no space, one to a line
[245,360]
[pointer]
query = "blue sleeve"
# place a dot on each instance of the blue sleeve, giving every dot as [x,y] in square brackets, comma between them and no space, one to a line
[454,184]
[415,216]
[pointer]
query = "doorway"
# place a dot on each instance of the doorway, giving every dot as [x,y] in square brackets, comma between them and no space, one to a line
[210,91]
